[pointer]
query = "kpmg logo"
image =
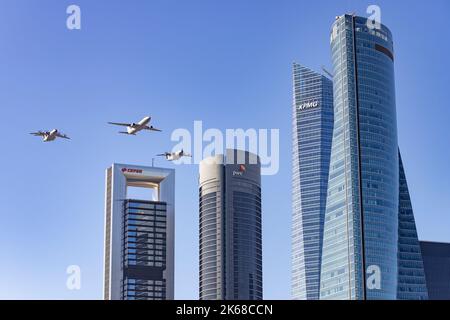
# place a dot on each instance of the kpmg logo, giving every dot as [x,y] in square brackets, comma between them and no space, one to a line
[308,105]
[240,172]
[128,170]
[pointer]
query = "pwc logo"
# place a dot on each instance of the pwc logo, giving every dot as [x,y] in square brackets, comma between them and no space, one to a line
[241,171]
[135,171]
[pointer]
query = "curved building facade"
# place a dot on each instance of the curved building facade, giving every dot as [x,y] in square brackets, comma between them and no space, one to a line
[360,246]
[230,244]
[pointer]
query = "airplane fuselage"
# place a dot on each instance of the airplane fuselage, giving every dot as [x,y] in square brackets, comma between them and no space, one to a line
[50,136]
[173,156]
[170,157]
[176,155]
[136,127]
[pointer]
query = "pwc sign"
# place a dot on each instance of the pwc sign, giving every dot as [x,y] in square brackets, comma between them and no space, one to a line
[241,171]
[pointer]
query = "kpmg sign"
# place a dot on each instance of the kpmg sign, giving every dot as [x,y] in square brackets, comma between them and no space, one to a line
[308,105]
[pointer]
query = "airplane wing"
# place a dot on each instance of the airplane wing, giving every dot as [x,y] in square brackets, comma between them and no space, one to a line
[120,124]
[165,154]
[38,134]
[60,135]
[152,129]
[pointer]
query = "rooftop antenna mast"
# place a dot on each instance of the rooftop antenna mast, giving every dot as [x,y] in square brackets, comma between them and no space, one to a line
[327,72]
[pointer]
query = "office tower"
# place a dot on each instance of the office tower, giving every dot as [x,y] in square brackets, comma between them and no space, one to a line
[411,274]
[436,259]
[312,135]
[230,246]
[139,234]
[360,245]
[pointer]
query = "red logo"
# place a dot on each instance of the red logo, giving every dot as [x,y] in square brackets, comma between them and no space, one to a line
[127,170]
[242,168]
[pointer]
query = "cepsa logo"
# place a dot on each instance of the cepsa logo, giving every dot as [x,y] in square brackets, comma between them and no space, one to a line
[241,171]
[128,170]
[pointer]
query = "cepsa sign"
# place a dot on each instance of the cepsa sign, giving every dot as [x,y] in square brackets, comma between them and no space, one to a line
[128,170]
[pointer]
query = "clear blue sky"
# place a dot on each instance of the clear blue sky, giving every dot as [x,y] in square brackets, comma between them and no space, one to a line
[227,63]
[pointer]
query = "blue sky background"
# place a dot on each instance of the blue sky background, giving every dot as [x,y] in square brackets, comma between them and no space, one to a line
[227,63]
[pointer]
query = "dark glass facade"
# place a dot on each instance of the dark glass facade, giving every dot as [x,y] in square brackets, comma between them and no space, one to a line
[247,250]
[411,273]
[436,259]
[312,135]
[230,244]
[144,250]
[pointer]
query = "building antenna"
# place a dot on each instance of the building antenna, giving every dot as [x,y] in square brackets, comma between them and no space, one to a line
[327,72]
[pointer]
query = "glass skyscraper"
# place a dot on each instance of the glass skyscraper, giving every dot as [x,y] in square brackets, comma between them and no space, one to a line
[139,234]
[230,244]
[411,274]
[360,245]
[312,134]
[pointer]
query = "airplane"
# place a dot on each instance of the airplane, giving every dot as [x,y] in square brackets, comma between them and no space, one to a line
[48,136]
[172,156]
[133,128]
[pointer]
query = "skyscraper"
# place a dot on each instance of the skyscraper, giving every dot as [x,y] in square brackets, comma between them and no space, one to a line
[139,234]
[230,246]
[312,135]
[436,259]
[411,273]
[360,245]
